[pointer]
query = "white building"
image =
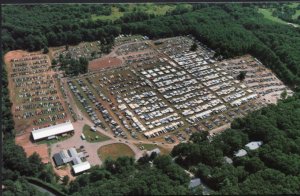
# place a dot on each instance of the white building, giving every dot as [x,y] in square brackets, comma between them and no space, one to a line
[52,131]
[254,145]
[81,167]
[240,153]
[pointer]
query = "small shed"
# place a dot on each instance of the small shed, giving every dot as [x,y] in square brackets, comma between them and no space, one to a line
[58,160]
[81,167]
[240,153]
[194,183]
[254,145]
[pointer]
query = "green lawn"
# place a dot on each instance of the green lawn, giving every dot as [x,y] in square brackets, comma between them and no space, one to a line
[115,14]
[293,5]
[148,146]
[149,8]
[268,14]
[114,151]
[93,136]
[296,15]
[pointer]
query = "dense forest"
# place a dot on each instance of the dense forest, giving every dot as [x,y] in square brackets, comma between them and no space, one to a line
[274,168]
[162,177]
[71,66]
[228,29]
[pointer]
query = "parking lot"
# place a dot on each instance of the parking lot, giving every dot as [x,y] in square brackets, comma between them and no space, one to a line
[166,92]
[37,99]
[258,78]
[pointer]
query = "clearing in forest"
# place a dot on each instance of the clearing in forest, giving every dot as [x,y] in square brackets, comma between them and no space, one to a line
[114,151]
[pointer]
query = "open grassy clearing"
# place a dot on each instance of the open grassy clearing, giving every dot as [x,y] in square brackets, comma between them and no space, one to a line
[148,8]
[293,5]
[268,15]
[93,136]
[151,8]
[147,146]
[115,14]
[114,151]
[296,15]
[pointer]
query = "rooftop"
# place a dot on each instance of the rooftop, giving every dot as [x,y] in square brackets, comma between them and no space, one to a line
[254,145]
[240,153]
[52,130]
[78,168]
[194,183]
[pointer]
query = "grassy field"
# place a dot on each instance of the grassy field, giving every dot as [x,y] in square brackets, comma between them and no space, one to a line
[293,5]
[92,136]
[295,16]
[115,14]
[147,146]
[268,14]
[149,8]
[114,151]
[150,147]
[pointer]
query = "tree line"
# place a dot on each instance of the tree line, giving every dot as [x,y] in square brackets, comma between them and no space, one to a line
[229,29]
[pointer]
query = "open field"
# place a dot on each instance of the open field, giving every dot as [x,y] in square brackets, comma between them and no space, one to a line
[297,14]
[148,8]
[93,136]
[107,62]
[268,14]
[114,151]
[115,14]
[294,5]
[147,146]
[150,147]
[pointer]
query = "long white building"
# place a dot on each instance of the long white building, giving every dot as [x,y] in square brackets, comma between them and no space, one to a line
[52,131]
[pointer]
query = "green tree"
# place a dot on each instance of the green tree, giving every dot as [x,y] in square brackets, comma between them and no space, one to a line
[241,76]
[283,95]
[194,47]
[45,50]
[65,179]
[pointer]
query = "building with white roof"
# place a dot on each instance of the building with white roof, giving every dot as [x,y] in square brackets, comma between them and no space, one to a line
[240,153]
[81,167]
[52,131]
[254,145]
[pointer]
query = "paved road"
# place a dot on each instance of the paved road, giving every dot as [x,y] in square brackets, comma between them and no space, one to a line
[41,189]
